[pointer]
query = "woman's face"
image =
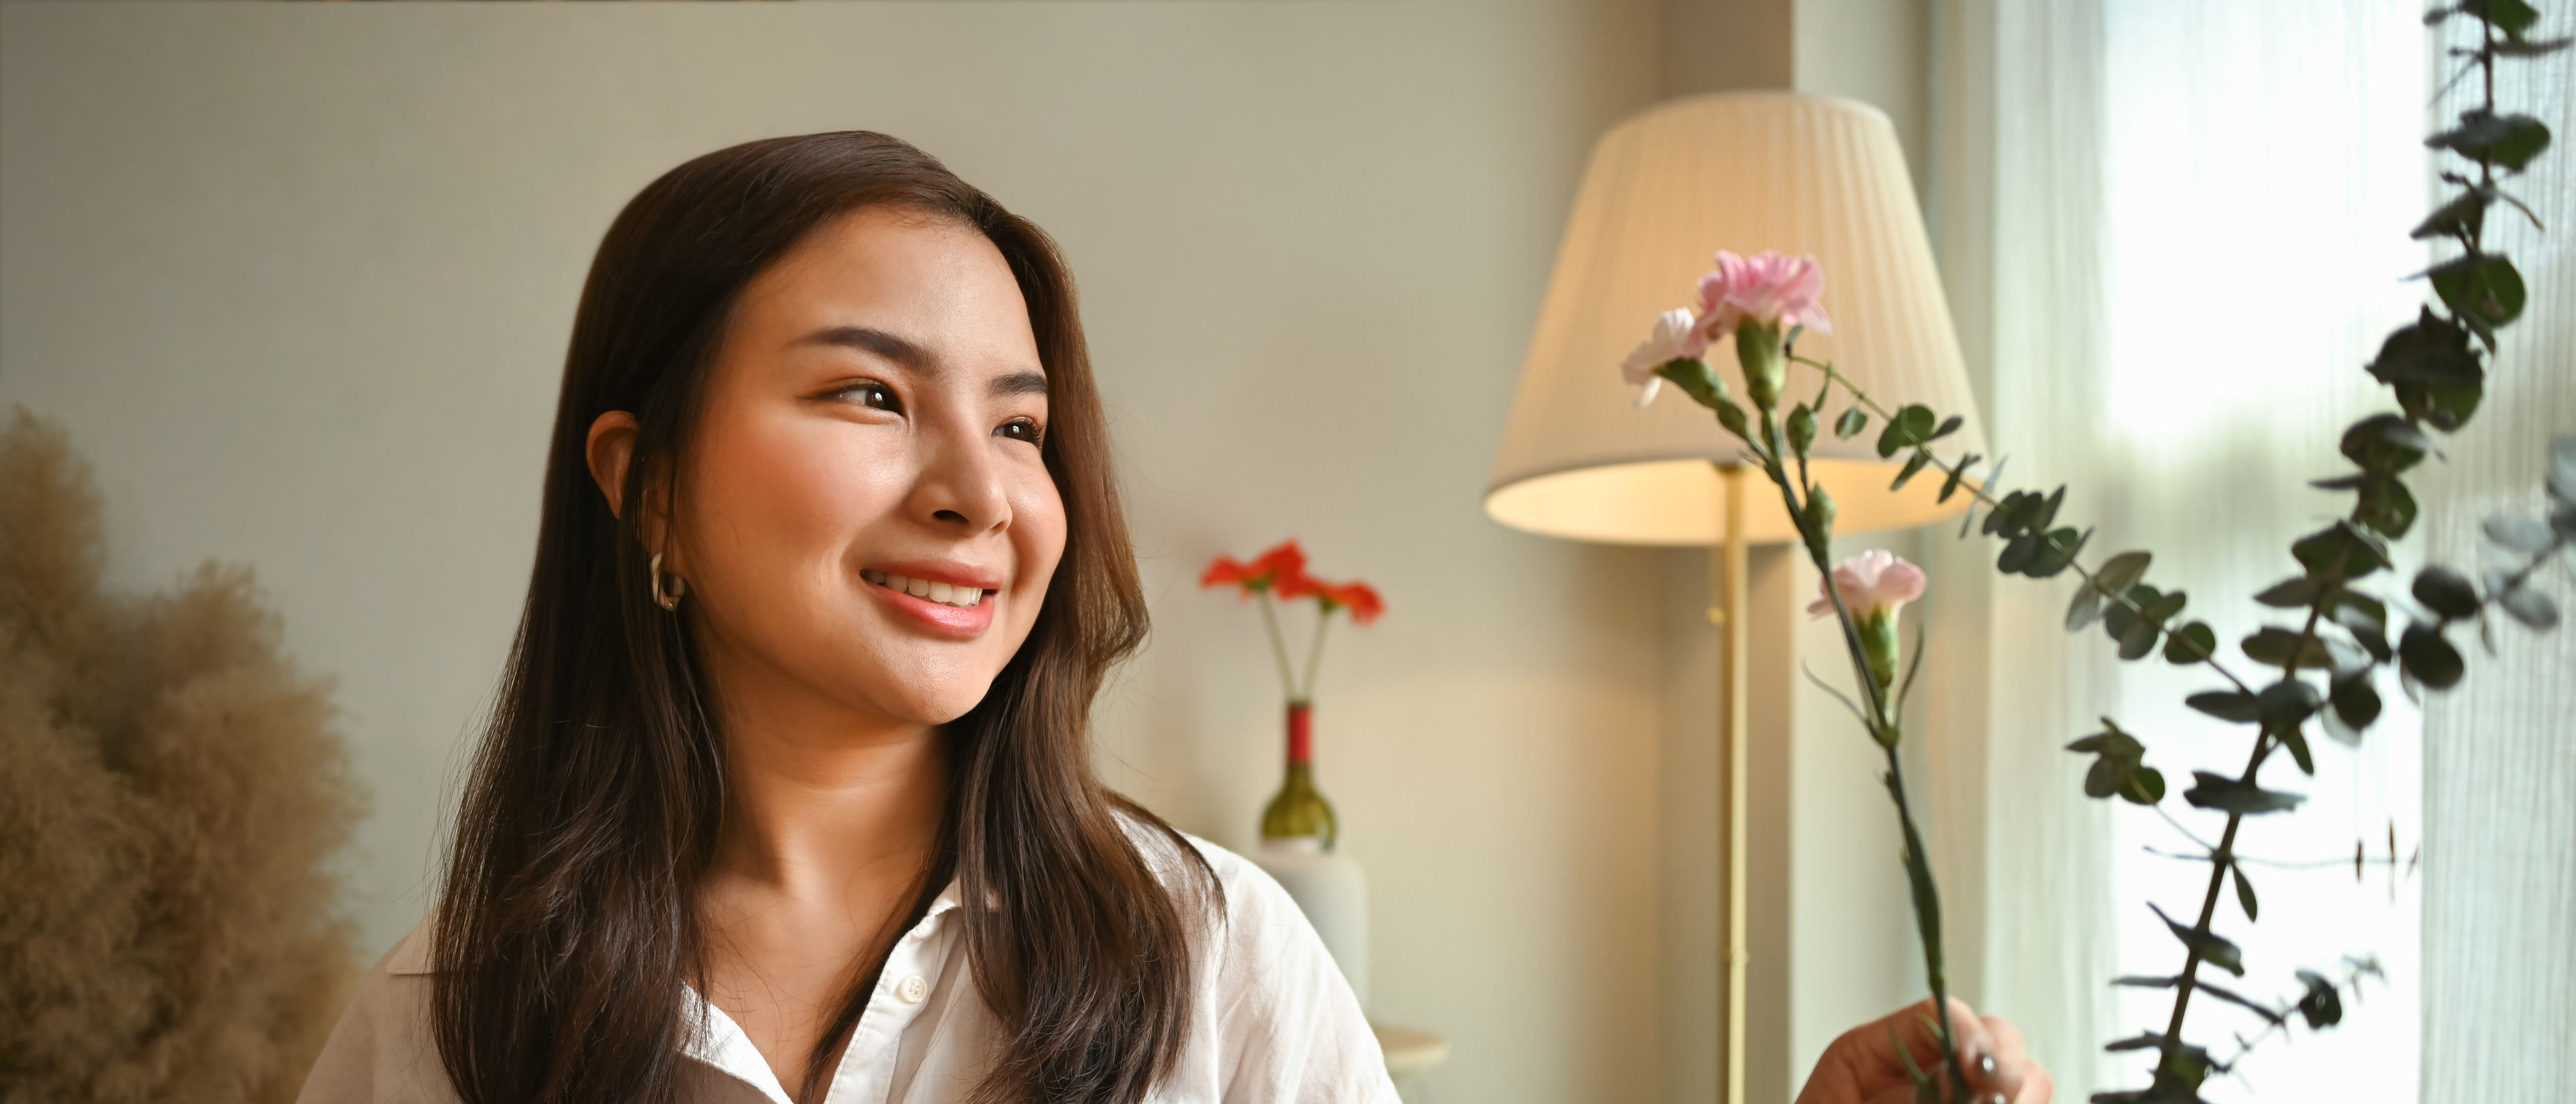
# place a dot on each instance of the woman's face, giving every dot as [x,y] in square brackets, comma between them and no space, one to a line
[865,521]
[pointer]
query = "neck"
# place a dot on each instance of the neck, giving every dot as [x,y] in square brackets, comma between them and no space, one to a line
[820,799]
[809,820]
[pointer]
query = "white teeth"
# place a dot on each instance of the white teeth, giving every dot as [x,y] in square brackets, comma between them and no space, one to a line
[946,594]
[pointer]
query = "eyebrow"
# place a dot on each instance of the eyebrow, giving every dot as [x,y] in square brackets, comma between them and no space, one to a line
[1020,383]
[916,358]
[875,341]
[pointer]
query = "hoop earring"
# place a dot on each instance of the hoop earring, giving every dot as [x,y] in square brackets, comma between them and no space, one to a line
[669,600]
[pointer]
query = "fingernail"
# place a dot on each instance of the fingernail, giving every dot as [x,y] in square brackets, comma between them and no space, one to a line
[1995,1098]
[1986,1065]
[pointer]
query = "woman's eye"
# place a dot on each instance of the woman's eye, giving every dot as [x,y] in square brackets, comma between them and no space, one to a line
[1020,429]
[875,395]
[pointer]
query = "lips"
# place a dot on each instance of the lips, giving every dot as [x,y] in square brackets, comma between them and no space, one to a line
[949,600]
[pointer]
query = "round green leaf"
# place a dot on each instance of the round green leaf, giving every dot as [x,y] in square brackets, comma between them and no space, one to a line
[2385,505]
[2429,659]
[2123,571]
[1853,421]
[2145,786]
[2227,705]
[2284,704]
[2385,443]
[2227,795]
[2482,287]
[1802,429]
[2529,536]
[2192,643]
[2356,703]
[2446,592]
[2530,607]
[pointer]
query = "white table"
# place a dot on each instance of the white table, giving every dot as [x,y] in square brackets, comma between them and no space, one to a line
[1410,1053]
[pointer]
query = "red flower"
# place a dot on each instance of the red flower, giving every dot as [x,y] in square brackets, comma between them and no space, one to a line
[1358,597]
[1281,570]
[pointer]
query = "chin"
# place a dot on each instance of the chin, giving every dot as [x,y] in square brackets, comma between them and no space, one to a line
[935,698]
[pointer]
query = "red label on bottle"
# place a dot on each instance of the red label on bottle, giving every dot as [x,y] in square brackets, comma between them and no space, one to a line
[1300,735]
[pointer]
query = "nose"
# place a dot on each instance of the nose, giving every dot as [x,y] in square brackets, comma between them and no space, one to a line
[959,488]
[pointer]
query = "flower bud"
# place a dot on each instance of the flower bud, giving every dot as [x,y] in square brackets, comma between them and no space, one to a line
[1878,644]
[1802,429]
[1757,348]
[1820,521]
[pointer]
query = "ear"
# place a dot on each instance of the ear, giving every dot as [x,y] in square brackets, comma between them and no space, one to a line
[610,448]
[611,444]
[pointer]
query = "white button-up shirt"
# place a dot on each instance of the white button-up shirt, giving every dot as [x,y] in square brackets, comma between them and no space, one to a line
[1271,1022]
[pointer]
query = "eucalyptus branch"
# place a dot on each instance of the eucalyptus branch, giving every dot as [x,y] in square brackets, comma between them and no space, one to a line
[2435,368]
[2197,649]
[2222,862]
[2321,1005]
[2390,862]
[2437,376]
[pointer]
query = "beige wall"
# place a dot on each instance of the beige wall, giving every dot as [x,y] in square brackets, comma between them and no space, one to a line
[298,279]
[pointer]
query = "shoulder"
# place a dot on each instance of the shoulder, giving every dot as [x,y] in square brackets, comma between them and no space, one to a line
[1273,1022]
[1225,889]
[382,1050]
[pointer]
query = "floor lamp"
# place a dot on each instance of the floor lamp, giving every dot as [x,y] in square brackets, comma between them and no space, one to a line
[1744,172]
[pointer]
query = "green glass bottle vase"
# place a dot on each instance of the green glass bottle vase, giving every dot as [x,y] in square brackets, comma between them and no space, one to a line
[1299,811]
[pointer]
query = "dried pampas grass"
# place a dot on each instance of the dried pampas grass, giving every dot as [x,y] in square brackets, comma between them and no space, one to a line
[172,796]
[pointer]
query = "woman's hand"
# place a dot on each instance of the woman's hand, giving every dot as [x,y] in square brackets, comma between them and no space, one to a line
[1862,1067]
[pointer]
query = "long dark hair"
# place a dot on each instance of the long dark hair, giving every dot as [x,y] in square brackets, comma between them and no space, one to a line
[568,927]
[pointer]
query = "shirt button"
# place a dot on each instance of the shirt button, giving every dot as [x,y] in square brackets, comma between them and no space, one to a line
[912,990]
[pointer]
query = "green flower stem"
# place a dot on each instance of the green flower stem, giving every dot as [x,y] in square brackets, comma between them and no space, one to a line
[1927,920]
[1315,655]
[1278,645]
[1886,731]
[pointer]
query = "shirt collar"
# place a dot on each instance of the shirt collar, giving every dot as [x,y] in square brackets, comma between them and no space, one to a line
[719,1042]
[411,956]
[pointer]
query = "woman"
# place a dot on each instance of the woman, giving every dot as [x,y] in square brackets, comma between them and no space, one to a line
[787,794]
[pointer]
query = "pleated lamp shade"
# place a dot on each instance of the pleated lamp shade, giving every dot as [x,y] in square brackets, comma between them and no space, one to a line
[1745,172]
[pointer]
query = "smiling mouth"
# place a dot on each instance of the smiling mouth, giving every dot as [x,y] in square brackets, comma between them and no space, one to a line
[959,596]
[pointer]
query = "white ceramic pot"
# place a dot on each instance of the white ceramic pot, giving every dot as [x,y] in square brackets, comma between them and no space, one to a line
[1333,892]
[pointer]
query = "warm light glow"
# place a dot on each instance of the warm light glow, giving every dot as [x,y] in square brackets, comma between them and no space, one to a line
[1679,502]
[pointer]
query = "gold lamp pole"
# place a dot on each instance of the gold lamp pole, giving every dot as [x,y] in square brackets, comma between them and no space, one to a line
[1746,172]
[1731,726]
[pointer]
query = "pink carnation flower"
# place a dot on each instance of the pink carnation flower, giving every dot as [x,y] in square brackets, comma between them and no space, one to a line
[1676,337]
[1767,288]
[1873,582]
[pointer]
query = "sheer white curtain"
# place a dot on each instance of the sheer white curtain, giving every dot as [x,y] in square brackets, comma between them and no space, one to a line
[2500,753]
[2175,229]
